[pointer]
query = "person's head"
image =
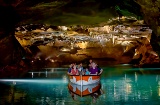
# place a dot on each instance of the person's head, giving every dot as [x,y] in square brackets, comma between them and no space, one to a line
[80,64]
[90,61]
[93,64]
[74,66]
[71,65]
[86,69]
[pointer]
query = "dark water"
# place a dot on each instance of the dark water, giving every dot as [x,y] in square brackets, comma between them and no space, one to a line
[120,85]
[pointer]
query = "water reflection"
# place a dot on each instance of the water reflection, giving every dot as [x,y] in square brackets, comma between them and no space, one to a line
[127,87]
[93,91]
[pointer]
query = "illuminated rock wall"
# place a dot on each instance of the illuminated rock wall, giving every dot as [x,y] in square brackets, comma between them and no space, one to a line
[151,14]
[109,44]
[112,43]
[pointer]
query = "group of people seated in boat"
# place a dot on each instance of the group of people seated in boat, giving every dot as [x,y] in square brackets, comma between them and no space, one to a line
[92,69]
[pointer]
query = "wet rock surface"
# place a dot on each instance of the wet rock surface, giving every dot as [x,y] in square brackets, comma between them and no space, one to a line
[108,44]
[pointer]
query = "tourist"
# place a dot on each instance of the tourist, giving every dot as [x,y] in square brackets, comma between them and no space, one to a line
[81,69]
[93,69]
[70,68]
[88,64]
[74,70]
[87,72]
[100,70]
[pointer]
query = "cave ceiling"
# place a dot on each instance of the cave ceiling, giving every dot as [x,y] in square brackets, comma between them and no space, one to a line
[75,12]
[74,30]
[77,30]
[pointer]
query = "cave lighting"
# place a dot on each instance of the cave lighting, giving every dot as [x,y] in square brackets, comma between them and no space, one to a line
[65,49]
[49,57]
[38,55]
[83,45]
[50,81]
[51,60]
[158,88]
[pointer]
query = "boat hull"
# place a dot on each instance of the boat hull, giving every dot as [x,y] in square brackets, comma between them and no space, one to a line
[84,90]
[84,79]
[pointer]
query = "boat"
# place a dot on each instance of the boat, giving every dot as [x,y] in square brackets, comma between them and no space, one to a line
[84,79]
[84,90]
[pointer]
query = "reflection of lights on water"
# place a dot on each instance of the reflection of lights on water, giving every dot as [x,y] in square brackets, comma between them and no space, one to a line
[114,88]
[159,91]
[60,102]
[32,74]
[125,64]
[136,77]
[39,73]
[52,70]
[128,88]
[46,73]
[158,88]
[157,78]
[52,81]
[64,78]
[127,85]
[14,83]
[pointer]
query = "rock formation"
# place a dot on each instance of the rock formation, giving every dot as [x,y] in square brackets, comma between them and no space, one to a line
[11,51]
[151,13]
[77,43]
[72,30]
